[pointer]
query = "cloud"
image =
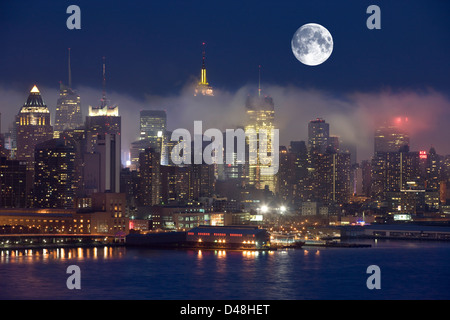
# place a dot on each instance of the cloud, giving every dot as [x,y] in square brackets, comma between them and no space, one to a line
[352,116]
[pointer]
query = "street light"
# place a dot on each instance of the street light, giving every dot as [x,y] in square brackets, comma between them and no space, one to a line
[282,209]
[264,209]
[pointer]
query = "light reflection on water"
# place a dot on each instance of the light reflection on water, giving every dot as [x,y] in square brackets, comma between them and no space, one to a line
[43,254]
[307,273]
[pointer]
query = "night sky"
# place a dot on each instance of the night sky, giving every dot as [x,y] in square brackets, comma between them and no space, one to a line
[153,48]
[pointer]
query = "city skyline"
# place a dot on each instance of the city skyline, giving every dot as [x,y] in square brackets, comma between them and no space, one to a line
[350,105]
[217,150]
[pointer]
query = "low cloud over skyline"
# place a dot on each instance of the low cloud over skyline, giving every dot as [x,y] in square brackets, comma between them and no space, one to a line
[352,116]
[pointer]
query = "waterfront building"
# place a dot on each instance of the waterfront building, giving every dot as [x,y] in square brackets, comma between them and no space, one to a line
[109,213]
[242,237]
[60,222]
[44,221]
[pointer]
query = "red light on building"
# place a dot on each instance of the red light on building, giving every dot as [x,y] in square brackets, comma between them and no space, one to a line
[423,155]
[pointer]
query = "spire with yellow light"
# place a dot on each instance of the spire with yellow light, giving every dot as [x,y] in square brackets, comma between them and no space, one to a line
[203,86]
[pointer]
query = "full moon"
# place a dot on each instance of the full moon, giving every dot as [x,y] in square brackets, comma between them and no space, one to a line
[312,44]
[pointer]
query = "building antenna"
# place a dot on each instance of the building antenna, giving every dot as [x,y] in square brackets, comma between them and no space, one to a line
[259,81]
[203,56]
[104,83]
[70,72]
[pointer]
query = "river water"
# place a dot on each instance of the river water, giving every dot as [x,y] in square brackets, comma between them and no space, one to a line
[408,270]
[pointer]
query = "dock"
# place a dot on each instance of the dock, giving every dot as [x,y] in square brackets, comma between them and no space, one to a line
[336,244]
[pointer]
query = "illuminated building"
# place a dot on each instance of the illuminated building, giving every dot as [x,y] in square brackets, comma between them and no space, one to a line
[176,184]
[77,138]
[152,135]
[241,237]
[54,174]
[150,177]
[103,147]
[68,108]
[318,135]
[394,172]
[286,176]
[65,221]
[136,148]
[109,213]
[152,124]
[102,166]
[302,187]
[332,177]
[391,136]
[103,119]
[260,117]
[366,168]
[203,88]
[202,181]
[33,127]
[432,170]
[13,189]
[44,221]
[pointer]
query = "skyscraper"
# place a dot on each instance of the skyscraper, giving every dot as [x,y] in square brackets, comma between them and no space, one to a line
[153,124]
[433,164]
[150,177]
[54,183]
[13,190]
[260,117]
[318,135]
[33,126]
[102,165]
[100,121]
[391,135]
[68,108]
[203,88]
[103,119]
[332,177]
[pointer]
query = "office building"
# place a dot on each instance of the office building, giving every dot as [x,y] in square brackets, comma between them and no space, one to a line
[68,114]
[152,124]
[13,188]
[260,118]
[33,126]
[391,135]
[150,177]
[54,183]
[318,135]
